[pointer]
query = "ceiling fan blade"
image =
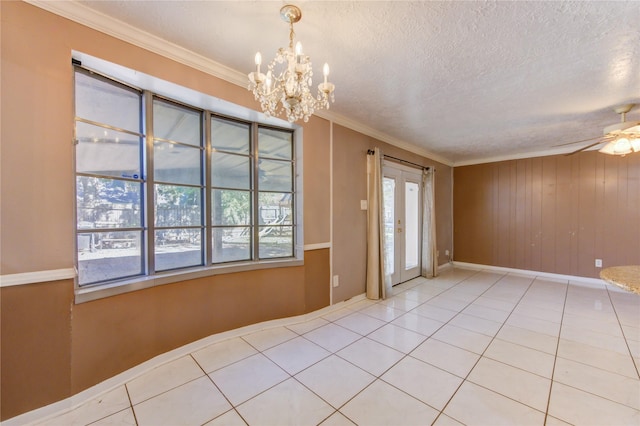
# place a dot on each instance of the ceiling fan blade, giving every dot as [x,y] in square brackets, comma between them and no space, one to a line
[575,142]
[588,146]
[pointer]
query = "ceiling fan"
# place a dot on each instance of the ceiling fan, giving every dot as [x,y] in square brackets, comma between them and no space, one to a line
[618,139]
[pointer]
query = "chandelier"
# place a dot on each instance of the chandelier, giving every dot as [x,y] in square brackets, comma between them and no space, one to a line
[287,84]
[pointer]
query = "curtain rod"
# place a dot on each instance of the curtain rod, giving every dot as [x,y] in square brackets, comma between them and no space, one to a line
[370,152]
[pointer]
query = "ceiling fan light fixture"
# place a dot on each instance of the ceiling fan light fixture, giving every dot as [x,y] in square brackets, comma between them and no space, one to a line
[287,84]
[619,146]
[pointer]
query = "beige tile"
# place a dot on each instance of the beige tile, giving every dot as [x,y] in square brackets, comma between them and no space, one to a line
[429,384]
[535,311]
[163,378]
[499,304]
[465,339]
[360,323]
[486,313]
[479,325]
[400,303]
[534,324]
[398,338]
[524,387]
[475,405]
[296,354]
[531,339]
[335,380]
[222,354]
[581,408]
[592,338]
[337,419]
[371,356]
[265,339]
[631,333]
[611,328]
[446,357]
[382,312]
[121,418]
[336,315]
[612,386]
[230,418]
[288,403]
[307,326]
[614,362]
[444,420]
[552,421]
[104,406]
[332,337]
[444,302]
[418,323]
[528,359]
[434,312]
[382,404]
[195,402]
[247,378]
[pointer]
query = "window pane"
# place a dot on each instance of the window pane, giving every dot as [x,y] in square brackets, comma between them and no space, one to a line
[230,136]
[107,203]
[106,256]
[276,241]
[230,171]
[231,207]
[231,244]
[108,103]
[177,206]
[274,175]
[178,248]
[275,144]
[107,152]
[411,225]
[274,208]
[176,163]
[388,211]
[176,123]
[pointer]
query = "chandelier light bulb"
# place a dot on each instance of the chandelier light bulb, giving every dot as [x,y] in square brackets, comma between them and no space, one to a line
[325,72]
[298,49]
[258,61]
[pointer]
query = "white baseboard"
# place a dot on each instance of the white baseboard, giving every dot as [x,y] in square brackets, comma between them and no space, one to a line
[60,407]
[528,273]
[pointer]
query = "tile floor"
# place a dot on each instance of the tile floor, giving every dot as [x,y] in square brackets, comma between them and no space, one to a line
[468,347]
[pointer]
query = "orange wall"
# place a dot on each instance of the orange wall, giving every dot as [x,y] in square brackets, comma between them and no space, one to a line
[350,222]
[52,348]
[553,214]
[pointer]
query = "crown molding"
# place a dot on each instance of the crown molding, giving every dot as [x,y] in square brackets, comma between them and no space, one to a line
[545,153]
[100,22]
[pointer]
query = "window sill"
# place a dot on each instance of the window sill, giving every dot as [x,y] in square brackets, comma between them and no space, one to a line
[89,294]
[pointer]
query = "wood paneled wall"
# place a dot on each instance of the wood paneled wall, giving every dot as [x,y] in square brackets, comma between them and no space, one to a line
[551,214]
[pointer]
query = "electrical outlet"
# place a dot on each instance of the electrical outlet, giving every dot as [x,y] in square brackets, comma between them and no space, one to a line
[446,252]
[598,263]
[336,280]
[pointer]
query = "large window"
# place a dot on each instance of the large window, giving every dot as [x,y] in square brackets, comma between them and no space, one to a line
[163,187]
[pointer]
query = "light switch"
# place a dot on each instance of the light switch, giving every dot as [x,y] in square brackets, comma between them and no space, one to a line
[363,205]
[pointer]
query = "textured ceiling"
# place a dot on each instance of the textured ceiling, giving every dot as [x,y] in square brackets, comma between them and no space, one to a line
[467,81]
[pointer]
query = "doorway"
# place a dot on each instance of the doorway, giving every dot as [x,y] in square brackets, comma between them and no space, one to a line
[402,212]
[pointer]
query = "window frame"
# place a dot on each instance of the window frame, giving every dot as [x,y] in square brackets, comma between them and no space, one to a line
[209,107]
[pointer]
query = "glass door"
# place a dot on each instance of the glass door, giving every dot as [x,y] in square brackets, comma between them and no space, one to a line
[402,222]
